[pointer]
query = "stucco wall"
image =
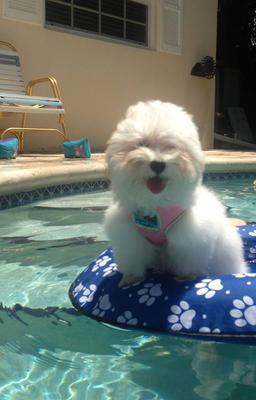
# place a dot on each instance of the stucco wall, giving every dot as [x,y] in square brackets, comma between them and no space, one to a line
[100,79]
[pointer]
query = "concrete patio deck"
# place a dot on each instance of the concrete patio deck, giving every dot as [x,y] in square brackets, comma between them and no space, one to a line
[31,171]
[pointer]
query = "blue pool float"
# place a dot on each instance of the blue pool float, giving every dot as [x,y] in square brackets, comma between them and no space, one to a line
[220,307]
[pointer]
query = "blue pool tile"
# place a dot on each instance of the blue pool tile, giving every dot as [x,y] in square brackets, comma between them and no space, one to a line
[23,198]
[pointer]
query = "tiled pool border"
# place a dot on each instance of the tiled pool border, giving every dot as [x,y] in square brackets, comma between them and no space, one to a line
[27,197]
[223,176]
[54,191]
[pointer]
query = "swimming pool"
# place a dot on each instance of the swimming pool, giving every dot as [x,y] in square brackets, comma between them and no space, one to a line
[49,351]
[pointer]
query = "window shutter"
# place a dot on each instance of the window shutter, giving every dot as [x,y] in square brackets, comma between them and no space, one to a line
[171,26]
[31,11]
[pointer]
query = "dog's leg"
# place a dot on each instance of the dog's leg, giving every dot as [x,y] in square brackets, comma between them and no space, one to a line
[133,253]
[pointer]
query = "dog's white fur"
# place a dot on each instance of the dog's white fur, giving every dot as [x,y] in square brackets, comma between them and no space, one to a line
[202,242]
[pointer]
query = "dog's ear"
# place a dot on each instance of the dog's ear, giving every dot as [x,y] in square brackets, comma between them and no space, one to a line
[190,165]
[186,164]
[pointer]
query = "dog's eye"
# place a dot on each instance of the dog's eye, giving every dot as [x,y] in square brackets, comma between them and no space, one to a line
[143,143]
[170,147]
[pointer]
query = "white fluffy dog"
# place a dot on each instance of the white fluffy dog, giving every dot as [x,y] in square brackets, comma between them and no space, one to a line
[162,217]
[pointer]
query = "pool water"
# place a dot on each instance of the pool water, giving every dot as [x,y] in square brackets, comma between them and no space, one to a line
[239,196]
[50,352]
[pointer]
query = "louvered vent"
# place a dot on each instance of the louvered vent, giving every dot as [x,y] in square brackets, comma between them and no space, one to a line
[171,26]
[24,10]
[123,19]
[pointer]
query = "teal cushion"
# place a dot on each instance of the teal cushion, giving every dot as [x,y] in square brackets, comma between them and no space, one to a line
[77,148]
[9,148]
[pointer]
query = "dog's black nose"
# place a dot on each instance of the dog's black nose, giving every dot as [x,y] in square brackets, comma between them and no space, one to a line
[157,166]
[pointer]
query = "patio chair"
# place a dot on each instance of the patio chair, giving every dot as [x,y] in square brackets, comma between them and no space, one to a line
[15,98]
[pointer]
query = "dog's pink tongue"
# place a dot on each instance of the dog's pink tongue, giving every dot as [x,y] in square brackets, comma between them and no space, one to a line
[156,185]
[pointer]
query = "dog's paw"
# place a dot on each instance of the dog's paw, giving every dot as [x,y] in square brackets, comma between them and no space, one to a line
[129,279]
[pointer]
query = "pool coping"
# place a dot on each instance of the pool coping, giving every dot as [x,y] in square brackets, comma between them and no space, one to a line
[230,161]
[29,172]
[36,177]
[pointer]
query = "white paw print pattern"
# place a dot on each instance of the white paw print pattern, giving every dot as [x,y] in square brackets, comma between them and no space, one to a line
[208,287]
[102,306]
[104,262]
[245,275]
[206,329]
[101,262]
[78,289]
[181,317]
[149,293]
[88,294]
[127,318]
[252,233]
[244,311]
[109,270]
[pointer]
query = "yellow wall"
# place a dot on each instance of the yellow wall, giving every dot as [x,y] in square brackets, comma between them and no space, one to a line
[100,79]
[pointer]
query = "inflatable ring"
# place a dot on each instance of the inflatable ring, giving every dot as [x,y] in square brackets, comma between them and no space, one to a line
[219,307]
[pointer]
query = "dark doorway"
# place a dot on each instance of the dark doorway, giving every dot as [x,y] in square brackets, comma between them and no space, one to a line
[235,104]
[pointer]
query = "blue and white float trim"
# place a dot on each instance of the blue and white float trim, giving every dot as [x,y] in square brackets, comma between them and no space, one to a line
[219,308]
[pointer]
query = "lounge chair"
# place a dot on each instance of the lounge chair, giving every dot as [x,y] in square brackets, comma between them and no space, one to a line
[15,98]
[243,137]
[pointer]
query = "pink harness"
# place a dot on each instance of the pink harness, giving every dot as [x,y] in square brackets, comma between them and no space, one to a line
[154,225]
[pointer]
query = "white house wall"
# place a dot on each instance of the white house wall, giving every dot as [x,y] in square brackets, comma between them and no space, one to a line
[100,79]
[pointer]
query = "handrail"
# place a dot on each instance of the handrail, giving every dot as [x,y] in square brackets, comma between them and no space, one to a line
[7,45]
[50,79]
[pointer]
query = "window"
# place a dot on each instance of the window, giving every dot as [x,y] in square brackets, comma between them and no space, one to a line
[125,20]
